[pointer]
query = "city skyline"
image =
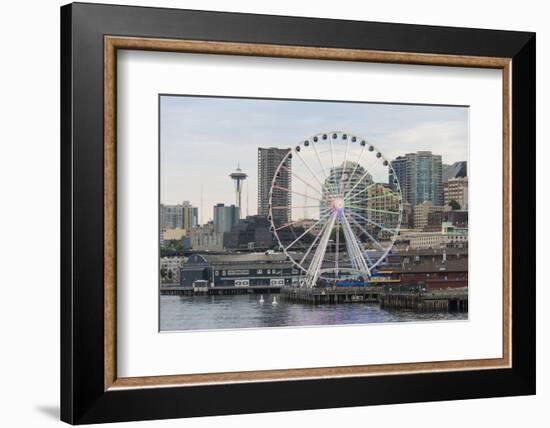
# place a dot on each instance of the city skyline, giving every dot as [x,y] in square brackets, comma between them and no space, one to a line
[238,127]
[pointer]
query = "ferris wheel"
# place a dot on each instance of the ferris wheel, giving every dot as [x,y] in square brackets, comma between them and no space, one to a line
[335,207]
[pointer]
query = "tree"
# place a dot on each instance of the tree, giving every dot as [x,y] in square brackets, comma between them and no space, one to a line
[454,205]
[174,245]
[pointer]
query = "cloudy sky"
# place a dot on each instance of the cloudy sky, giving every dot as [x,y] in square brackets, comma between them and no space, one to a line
[202,139]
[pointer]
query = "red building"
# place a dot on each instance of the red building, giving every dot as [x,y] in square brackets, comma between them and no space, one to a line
[432,269]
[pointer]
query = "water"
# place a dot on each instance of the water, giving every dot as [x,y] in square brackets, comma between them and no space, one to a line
[245,311]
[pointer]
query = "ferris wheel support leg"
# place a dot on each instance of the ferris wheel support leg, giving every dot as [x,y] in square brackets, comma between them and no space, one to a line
[314,269]
[354,248]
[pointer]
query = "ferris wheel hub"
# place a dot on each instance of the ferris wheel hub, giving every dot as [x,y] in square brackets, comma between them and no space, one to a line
[338,204]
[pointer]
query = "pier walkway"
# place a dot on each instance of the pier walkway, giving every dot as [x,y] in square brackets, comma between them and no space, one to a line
[166,290]
[426,301]
[331,295]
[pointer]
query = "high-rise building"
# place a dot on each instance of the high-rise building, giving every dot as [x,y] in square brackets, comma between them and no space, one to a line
[383,208]
[456,189]
[348,178]
[190,215]
[181,216]
[225,217]
[420,177]
[422,213]
[429,185]
[251,232]
[171,217]
[404,168]
[457,169]
[268,162]
[206,238]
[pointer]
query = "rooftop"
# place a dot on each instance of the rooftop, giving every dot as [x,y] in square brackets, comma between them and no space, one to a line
[437,265]
[239,258]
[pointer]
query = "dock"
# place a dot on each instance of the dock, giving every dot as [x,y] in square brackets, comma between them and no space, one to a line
[442,300]
[177,290]
[332,295]
[454,300]
[426,301]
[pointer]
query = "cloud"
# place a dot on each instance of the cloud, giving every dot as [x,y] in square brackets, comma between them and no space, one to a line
[203,138]
[449,139]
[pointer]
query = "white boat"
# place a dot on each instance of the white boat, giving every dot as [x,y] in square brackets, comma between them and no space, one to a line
[261,298]
[274,302]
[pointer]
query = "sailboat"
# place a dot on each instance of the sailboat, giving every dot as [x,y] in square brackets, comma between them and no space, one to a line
[261,298]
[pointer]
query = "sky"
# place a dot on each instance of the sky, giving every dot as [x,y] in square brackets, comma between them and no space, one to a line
[203,139]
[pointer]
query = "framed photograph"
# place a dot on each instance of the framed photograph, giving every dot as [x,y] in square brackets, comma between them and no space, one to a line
[266,213]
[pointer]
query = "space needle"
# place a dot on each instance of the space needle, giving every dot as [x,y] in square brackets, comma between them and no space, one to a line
[238,177]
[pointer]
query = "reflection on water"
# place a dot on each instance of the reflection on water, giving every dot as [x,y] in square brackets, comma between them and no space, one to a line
[246,311]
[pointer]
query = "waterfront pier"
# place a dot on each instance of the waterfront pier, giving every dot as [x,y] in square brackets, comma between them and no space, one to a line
[427,301]
[176,290]
[331,295]
[437,300]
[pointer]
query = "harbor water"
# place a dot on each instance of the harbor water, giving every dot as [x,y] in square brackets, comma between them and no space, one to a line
[251,311]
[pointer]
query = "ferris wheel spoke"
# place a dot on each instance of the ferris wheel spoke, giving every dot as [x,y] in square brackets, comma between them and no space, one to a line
[296,193]
[362,229]
[302,180]
[364,208]
[382,211]
[365,175]
[366,189]
[355,168]
[292,223]
[313,144]
[331,187]
[323,169]
[356,207]
[344,166]
[304,234]
[348,196]
[288,207]
[310,170]
[372,198]
[392,231]
[313,244]
[332,151]
[367,169]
